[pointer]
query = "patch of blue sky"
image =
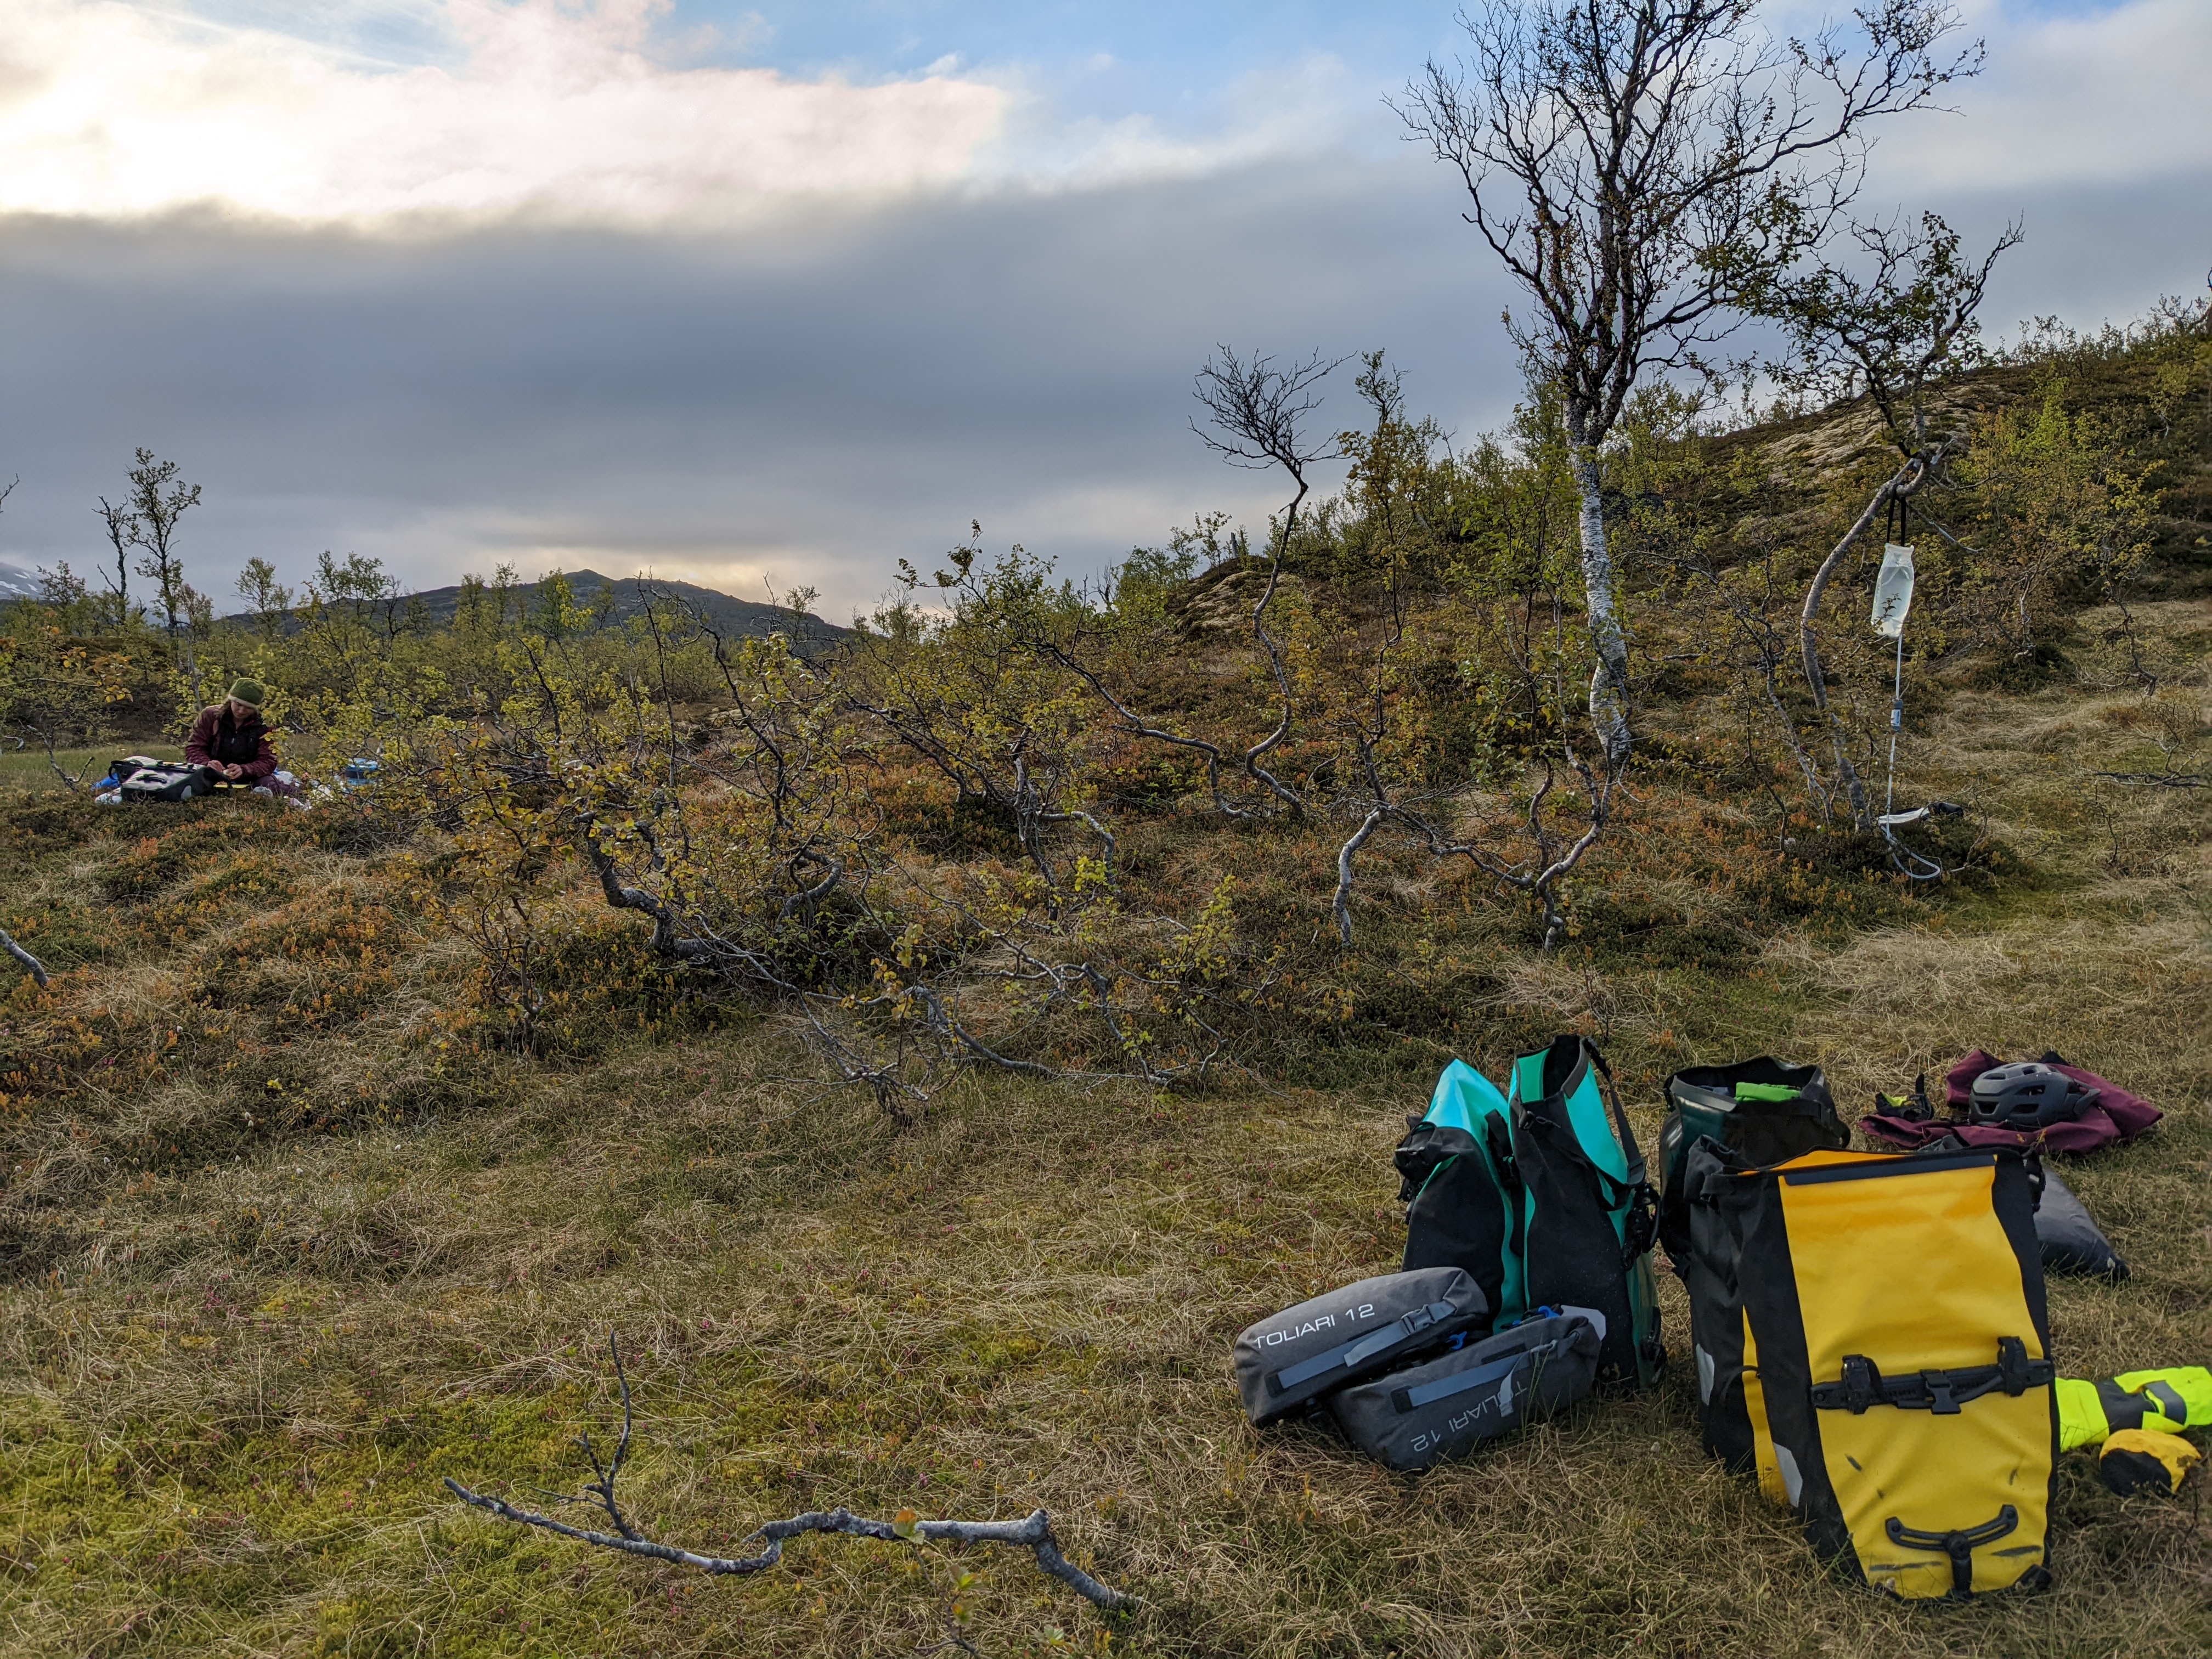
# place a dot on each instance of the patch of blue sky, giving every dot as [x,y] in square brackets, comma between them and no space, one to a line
[395,34]
[1160,50]
[1170,70]
[873,39]
[1184,69]
[1165,50]
[1170,48]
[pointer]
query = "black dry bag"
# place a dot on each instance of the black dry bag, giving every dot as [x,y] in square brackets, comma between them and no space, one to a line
[164,783]
[1587,1243]
[1765,1111]
[1463,1190]
[2066,1235]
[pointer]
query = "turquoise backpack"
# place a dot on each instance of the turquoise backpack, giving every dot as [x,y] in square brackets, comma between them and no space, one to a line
[1539,1193]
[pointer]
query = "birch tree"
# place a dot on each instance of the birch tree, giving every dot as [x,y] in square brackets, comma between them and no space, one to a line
[1638,166]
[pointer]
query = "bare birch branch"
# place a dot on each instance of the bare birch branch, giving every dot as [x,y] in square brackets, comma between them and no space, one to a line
[38,970]
[1033,1532]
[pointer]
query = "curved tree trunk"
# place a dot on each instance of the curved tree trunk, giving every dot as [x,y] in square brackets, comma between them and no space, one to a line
[1901,483]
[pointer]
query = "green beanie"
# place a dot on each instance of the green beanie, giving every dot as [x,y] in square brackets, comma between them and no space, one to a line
[252,693]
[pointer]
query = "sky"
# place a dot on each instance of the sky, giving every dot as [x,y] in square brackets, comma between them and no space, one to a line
[776,294]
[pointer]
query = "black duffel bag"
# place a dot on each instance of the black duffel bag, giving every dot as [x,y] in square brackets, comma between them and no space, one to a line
[1781,1111]
[1286,1361]
[167,782]
[1447,1406]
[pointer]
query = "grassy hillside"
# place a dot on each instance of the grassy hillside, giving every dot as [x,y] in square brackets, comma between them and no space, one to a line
[284,1254]
[341,1141]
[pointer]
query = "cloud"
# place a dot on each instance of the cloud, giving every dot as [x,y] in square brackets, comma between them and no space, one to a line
[566,111]
[108,110]
[2106,96]
[841,374]
[1311,106]
[834,387]
[814,397]
[589,112]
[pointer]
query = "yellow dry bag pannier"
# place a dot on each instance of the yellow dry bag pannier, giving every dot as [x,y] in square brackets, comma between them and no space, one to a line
[1896,1376]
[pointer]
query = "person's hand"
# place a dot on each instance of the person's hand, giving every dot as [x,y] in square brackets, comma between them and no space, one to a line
[234,772]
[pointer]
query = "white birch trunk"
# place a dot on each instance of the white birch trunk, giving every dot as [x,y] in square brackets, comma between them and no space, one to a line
[1608,693]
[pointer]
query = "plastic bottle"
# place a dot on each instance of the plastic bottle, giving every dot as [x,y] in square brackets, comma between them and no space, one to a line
[1892,590]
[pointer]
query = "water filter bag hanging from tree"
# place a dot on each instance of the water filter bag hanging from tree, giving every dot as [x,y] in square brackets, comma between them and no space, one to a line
[1892,590]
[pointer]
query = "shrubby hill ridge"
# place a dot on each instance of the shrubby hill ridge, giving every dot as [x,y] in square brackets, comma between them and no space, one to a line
[439,606]
[2153,403]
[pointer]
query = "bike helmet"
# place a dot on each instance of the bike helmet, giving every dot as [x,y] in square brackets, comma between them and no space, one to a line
[2028,1094]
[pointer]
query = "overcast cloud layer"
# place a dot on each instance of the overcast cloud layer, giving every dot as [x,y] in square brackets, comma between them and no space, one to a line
[542,284]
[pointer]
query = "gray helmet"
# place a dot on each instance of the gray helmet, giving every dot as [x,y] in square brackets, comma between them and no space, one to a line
[2028,1095]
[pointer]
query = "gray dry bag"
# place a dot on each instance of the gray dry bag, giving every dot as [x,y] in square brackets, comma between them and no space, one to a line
[2070,1242]
[1286,1361]
[1445,1407]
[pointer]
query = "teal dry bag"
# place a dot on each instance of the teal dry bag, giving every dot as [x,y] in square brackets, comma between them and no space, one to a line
[1538,1192]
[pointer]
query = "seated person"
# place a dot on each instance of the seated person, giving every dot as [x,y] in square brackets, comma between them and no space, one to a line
[230,741]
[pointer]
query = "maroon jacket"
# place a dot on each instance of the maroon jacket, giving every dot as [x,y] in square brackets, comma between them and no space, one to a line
[218,741]
[2116,1115]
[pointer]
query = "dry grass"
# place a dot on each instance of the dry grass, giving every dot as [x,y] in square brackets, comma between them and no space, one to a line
[234,1378]
[28,768]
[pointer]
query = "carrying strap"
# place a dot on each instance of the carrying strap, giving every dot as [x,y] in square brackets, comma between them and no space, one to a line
[1628,1146]
[1427,1393]
[1640,1228]
[1497,1142]
[1534,1356]
[1940,1392]
[1958,1544]
[1361,1349]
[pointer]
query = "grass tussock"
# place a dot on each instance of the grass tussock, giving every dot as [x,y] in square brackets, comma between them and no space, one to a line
[295,1226]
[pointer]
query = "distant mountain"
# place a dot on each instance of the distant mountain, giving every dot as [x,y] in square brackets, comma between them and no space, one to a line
[724,610]
[17,584]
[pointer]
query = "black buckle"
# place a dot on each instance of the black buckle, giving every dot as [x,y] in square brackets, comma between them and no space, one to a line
[2017,1372]
[1862,1387]
[1958,1544]
[1639,1226]
[1938,1393]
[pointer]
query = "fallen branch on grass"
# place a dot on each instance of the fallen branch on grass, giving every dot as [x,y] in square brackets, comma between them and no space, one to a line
[38,968]
[1033,1534]
[2157,779]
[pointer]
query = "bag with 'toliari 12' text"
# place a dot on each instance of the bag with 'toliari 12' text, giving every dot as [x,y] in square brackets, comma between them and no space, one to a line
[1286,1362]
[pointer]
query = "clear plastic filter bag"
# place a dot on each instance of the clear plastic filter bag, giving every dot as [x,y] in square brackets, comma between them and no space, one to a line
[1892,590]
